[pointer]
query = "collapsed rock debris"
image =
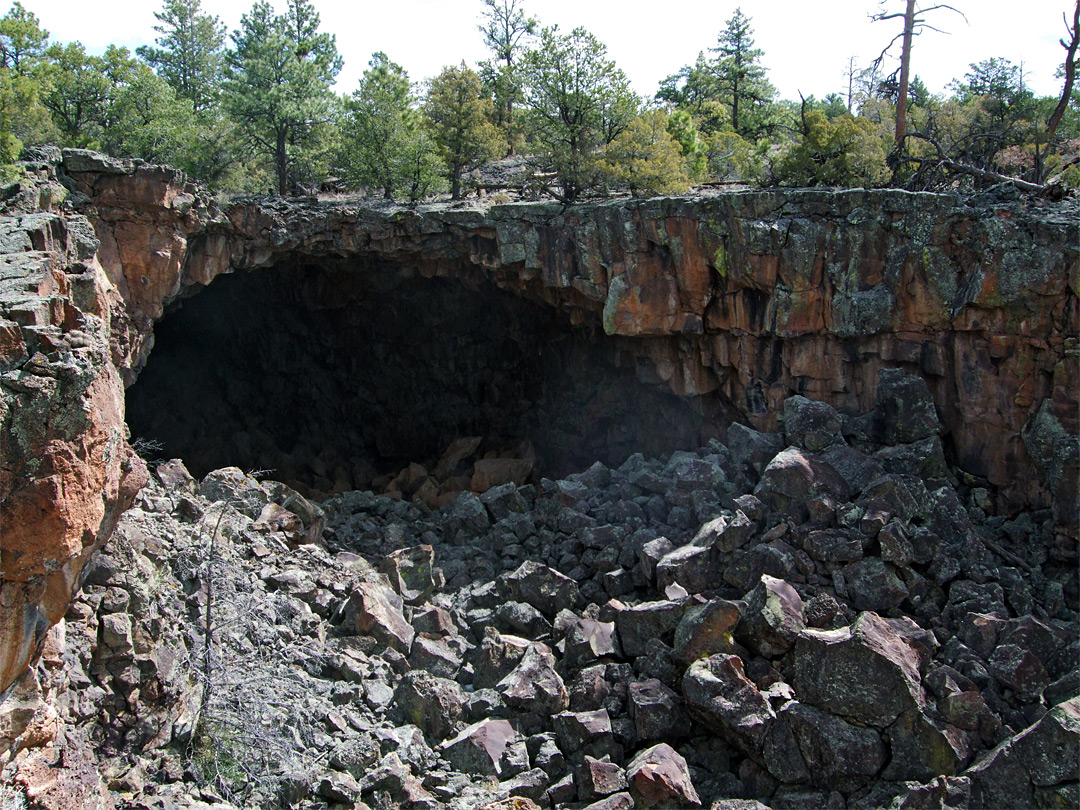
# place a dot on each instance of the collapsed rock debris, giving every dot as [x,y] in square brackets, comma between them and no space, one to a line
[803,619]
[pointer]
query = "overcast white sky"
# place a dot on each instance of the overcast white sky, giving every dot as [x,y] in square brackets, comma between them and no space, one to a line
[806,44]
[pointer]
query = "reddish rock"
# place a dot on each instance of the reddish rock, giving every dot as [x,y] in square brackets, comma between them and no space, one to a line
[534,685]
[494,472]
[795,477]
[479,748]
[375,610]
[598,778]
[659,777]
[734,306]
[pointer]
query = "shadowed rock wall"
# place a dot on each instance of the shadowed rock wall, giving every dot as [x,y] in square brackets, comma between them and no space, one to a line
[334,376]
[752,296]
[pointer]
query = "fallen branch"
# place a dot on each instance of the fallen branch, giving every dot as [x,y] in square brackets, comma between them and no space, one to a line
[963,168]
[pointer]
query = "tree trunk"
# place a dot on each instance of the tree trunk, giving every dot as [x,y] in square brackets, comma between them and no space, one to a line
[735,104]
[509,106]
[850,81]
[455,182]
[905,72]
[281,159]
[1066,93]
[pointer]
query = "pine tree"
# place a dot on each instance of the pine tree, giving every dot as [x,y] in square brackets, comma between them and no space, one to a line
[646,159]
[190,51]
[460,118]
[23,69]
[740,78]
[579,101]
[22,40]
[505,29]
[277,85]
[387,145]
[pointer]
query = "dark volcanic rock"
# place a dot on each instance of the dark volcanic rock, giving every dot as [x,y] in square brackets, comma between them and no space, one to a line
[674,604]
[866,671]
[773,618]
[720,695]
[659,777]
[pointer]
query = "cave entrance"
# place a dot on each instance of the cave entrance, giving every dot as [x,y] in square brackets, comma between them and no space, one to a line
[332,377]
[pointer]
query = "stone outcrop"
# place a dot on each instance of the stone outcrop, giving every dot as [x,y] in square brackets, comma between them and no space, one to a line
[746,297]
[67,472]
[739,299]
[742,298]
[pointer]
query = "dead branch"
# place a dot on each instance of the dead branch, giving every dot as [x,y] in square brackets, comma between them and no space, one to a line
[946,162]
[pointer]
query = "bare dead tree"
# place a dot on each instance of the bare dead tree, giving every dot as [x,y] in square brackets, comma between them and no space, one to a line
[1070,43]
[850,74]
[208,616]
[914,24]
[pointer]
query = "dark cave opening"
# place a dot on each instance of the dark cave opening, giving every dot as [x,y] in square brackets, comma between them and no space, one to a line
[330,377]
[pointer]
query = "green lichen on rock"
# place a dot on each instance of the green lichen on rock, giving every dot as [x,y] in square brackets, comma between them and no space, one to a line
[617,290]
[720,261]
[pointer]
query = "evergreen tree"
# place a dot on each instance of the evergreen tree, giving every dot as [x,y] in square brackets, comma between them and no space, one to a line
[190,51]
[387,146]
[505,29]
[579,102]
[277,85]
[845,151]
[646,159]
[117,104]
[78,95]
[740,78]
[684,130]
[460,118]
[23,69]
[22,40]
[693,87]
[144,116]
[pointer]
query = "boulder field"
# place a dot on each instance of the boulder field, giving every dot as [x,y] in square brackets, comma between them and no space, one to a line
[857,589]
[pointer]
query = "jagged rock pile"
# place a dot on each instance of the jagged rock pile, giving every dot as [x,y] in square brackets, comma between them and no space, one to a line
[822,618]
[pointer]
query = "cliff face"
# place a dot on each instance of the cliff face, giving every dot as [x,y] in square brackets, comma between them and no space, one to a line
[750,297]
[70,324]
[741,299]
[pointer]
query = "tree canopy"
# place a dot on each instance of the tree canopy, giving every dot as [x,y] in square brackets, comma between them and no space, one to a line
[387,145]
[190,52]
[461,118]
[277,85]
[260,110]
[579,101]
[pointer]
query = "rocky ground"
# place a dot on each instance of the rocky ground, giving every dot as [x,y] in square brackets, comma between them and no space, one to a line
[827,617]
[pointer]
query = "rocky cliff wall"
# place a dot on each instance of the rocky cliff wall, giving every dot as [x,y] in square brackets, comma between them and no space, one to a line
[738,298]
[746,298]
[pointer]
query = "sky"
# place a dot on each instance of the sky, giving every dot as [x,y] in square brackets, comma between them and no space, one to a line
[807,45]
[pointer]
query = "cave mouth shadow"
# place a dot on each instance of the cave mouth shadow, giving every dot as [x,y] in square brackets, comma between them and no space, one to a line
[330,376]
